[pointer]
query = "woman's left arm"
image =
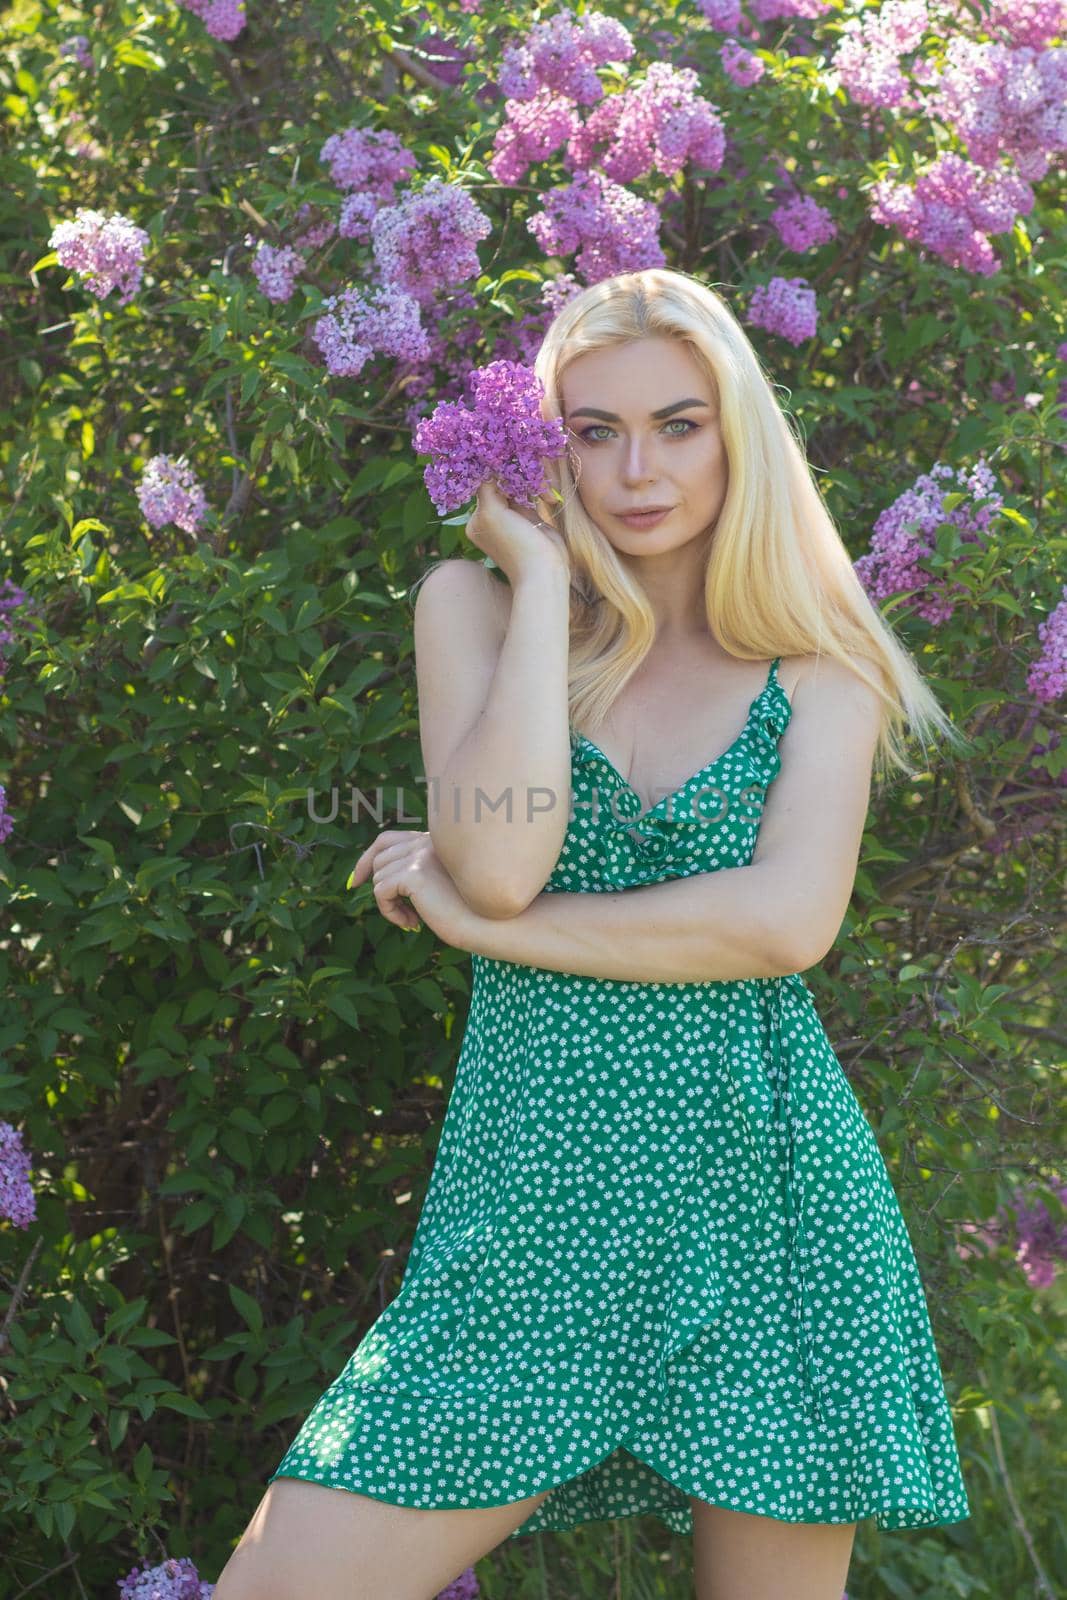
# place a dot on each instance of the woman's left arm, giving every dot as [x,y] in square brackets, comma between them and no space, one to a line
[779,914]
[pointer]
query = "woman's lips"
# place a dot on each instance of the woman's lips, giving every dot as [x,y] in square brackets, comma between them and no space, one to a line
[647,519]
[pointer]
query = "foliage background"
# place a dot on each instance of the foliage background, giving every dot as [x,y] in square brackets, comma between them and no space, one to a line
[231,1074]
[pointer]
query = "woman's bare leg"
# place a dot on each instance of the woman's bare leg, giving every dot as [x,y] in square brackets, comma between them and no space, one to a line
[739,1556]
[305,1538]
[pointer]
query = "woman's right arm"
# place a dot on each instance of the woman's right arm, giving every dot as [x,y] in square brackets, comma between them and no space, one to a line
[491,664]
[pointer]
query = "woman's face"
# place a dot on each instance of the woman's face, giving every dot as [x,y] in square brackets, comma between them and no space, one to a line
[629,457]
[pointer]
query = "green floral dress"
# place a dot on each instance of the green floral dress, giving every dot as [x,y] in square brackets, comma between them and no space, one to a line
[660,1255]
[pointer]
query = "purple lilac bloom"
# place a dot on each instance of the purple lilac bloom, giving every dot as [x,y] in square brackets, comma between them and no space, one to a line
[11,601]
[358,211]
[867,59]
[532,131]
[785,306]
[723,15]
[1047,678]
[277,269]
[562,54]
[1041,1241]
[428,241]
[1032,22]
[740,65]
[658,124]
[465,1587]
[500,435]
[169,492]
[555,292]
[802,223]
[17,1202]
[174,1579]
[951,209]
[223,19]
[77,50]
[611,229]
[368,159]
[108,251]
[905,535]
[1004,101]
[359,323]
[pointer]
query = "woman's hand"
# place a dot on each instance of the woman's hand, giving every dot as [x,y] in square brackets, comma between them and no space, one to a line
[512,536]
[411,883]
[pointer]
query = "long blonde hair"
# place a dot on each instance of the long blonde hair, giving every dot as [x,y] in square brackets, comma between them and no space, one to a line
[779,580]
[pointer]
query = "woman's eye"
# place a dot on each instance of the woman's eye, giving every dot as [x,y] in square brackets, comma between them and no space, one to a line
[682,422]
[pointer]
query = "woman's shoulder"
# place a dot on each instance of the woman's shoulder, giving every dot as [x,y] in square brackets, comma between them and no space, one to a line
[833,682]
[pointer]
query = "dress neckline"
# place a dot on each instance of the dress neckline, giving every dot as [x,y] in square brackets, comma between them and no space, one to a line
[771,686]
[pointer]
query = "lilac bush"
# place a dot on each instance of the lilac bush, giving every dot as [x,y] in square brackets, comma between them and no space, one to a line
[290,242]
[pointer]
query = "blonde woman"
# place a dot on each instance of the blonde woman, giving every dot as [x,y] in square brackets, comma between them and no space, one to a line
[660,1268]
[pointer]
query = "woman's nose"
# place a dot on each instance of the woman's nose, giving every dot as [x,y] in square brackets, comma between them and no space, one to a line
[637,460]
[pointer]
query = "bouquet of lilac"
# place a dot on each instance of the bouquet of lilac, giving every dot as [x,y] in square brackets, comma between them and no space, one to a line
[501,435]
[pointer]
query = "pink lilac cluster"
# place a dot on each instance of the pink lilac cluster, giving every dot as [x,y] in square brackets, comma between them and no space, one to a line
[659,124]
[428,241]
[17,1201]
[174,1579]
[1047,678]
[277,268]
[609,229]
[223,19]
[77,50]
[905,536]
[1041,1242]
[169,492]
[803,224]
[359,323]
[532,130]
[562,55]
[367,163]
[785,306]
[465,1587]
[867,58]
[952,208]
[14,605]
[500,435]
[106,250]
[740,65]
[1032,22]
[1004,102]
[723,15]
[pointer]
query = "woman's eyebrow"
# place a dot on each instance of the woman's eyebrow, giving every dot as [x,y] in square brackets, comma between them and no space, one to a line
[609,416]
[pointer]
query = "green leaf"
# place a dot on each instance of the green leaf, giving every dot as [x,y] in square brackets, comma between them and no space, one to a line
[248,1309]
